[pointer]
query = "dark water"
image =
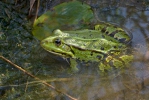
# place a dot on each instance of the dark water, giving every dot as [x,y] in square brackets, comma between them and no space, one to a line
[130,83]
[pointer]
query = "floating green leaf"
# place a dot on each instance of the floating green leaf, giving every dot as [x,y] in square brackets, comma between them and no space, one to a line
[66,16]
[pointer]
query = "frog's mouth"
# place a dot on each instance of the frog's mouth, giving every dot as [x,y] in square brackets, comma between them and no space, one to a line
[65,55]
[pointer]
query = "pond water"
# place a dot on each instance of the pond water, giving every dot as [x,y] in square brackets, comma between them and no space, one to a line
[130,83]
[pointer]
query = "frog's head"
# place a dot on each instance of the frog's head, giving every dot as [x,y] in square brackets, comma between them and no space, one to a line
[56,45]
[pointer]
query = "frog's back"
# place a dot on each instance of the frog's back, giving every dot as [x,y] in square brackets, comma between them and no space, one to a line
[95,45]
[105,31]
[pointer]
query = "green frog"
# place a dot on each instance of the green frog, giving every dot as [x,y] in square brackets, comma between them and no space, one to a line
[105,44]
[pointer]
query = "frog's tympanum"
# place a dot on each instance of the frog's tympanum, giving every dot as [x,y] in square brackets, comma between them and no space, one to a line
[106,44]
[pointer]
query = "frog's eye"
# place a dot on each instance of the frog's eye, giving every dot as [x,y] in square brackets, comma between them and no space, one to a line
[58,42]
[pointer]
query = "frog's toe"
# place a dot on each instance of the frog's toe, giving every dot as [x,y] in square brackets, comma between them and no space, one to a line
[103,67]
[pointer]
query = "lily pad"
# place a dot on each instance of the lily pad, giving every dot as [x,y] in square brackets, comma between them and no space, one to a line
[66,16]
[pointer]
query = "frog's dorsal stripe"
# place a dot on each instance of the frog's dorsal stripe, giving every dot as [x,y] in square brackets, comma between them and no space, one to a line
[106,58]
[96,55]
[96,45]
[90,50]
[81,49]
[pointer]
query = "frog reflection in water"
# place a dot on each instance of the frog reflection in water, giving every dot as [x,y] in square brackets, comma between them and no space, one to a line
[107,45]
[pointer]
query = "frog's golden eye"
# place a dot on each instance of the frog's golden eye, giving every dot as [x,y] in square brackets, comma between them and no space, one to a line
[58,42]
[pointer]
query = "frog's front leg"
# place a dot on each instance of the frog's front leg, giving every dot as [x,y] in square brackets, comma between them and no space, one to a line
[73,65]
[102,67]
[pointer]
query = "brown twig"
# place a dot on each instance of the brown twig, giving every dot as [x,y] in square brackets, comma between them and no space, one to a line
[37,9]
[45,83]
[31,6]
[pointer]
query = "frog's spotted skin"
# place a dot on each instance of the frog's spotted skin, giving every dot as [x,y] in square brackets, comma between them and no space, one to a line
[105,44]
[106,30]
[115,32]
